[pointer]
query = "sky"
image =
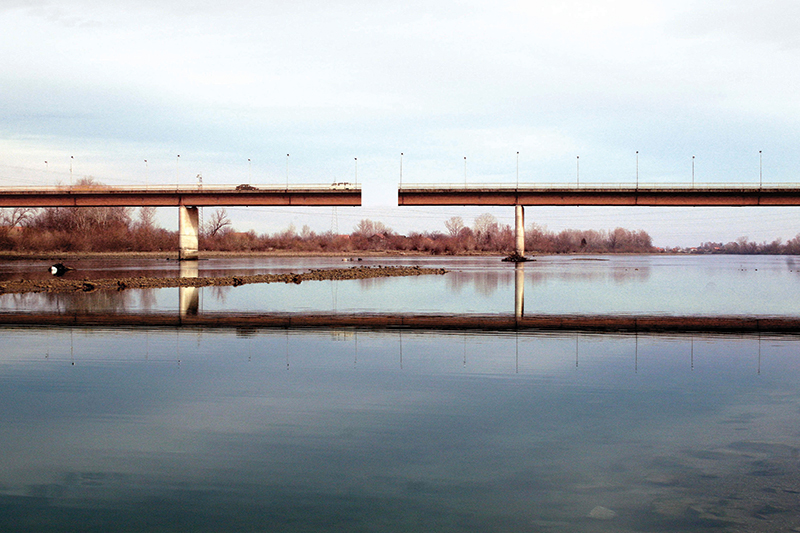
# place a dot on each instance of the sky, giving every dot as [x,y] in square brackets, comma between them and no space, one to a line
[95,88]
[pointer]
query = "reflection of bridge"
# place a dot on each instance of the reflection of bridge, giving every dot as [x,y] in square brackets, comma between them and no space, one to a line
[186,199]
[704,195]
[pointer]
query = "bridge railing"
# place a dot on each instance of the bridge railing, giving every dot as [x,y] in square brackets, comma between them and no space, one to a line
[599,186]
[243,188]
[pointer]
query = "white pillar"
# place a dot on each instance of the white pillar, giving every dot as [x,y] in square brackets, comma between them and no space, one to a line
[189,233]
[519,226]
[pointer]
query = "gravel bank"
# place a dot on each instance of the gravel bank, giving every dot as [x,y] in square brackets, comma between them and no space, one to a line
[118,284]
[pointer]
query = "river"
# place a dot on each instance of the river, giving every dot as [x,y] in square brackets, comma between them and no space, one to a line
[352,429]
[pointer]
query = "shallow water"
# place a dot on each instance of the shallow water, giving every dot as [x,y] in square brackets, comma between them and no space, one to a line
[265,430]
[587,285]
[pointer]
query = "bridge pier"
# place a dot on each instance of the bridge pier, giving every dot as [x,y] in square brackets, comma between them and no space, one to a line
[519,227]
[188,233]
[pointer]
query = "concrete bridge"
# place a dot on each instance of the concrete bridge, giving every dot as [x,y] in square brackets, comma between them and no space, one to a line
[186,199]
[649,195]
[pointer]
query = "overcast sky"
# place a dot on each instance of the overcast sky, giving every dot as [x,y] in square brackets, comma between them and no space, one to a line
[112,83]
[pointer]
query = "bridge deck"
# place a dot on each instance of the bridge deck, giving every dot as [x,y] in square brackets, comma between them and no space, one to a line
[256,195]
[732,195]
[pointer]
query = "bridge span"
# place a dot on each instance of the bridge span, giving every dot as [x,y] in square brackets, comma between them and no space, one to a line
[186,199]
[646,195]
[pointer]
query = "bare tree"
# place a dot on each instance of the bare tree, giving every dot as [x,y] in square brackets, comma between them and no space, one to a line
[454,226]
[15,217]
[367,228]
[217,222]
[147,217]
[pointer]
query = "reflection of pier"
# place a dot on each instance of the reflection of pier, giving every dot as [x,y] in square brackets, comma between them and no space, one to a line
[519,290]
[189,297]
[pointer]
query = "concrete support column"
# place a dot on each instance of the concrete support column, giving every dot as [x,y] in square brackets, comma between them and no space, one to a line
[189,233]
[519,227]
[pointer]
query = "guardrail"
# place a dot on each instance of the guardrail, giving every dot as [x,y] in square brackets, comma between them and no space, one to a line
[243,188]
[599,186]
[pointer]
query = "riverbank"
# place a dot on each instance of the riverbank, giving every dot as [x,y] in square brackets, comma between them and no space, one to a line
[118,284]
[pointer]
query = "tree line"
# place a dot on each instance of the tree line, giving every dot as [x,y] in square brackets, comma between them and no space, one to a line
[109,229]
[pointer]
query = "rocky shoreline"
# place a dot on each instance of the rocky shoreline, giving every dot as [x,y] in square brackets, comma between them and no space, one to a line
[118,284]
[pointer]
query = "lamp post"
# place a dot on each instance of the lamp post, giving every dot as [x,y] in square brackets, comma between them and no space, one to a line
[71,159]
[637,169]
[46,168]
[287,171]
[465,171]
[177,180]
[249,170]
[578,169]
[401,169]
[517,170]
[760,180]
[356,159]
[146,173]
[692,171]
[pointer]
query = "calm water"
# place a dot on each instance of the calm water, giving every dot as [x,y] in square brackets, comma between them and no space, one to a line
[261,430]
[624,285]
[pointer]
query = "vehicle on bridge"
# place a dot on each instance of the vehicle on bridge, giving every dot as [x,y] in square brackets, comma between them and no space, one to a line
[245,187]
[342,185]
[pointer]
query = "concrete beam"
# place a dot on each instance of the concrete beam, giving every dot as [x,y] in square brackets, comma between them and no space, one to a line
[519,229]
[602,196]
[161,197]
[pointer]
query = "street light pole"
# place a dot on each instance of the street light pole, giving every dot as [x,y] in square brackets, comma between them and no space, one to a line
[637,169]
[692,171]
[401,169]
[177,179]
[287,171]
[71,159]
[578,169]
[465,171]
[517,170]
[760,180]
[146,173]
[356,159]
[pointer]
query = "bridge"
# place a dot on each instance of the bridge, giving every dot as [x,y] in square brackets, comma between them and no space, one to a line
[648,195]
[186,199]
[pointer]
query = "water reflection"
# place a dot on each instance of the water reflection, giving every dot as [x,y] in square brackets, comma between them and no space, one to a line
[274,430]
[620,286]
[189,297]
